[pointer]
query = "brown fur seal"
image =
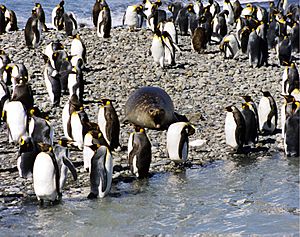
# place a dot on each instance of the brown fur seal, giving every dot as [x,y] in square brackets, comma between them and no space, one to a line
[151,107]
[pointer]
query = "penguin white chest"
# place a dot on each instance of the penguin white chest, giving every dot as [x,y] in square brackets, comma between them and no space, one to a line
[72,81]
[77,130]
[102,123]
[157,50]
[76,47]
[131,17]
[65,119]
[100,25]
[264,109]
[230,129]
[44,177]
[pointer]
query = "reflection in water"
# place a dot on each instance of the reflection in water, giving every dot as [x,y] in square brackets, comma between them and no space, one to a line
[243,195]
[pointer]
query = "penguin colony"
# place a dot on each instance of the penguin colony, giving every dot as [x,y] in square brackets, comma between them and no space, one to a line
[251,30]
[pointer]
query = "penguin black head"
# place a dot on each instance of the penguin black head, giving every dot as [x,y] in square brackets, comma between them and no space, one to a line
[266,93]
[245,106]
[74,101]
[224,12]
[288,98]
[2,8]
[62,3]
[25,144]
[33,13]
[35,111]
[247,98]
[38,5]
[210,2]
[190,8]
[105,101]
[63,142]
[229,108]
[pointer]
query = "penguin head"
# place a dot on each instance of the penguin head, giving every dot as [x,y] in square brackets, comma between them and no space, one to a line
[2,8]
[63,142]
[61,4]
[245,106]
[37,5]
[2,52]
[288,98]
[247,98]
[190,8]
[44,147]
[74,101]
[171,7]
[266,93]
[229,108]
[25,144]
[33,12]
[211,2]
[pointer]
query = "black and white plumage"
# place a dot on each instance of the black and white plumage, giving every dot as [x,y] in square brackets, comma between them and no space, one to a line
[98,6]
[229,46]
[104,23]
[70,24]
[57,16]
[53,84]
[108,123]
[46,175]
[19,74]
[76,83]
[139,153]
[78,47]
[41,15]
[251,134]
[101,173]
[22,92]
[182,20]
[253,49]
[290,79]
[267,113]
[234,128]
[284,51]
[33,31]
[174,8]
[4,96]
[178,141]
[133,17]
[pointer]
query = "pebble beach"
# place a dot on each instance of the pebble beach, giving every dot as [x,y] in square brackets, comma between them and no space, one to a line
[200,85]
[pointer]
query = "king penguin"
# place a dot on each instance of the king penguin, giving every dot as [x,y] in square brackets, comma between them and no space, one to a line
[57,15]
[158,49]
[290,79]
[252,106]
[53,84]
[109,124]
[22,92]
[41,15]
[234,128]
[46,175]
[78,47]
[229,46]
[139,153]
[76,83]
[101,173]
[267,113]
[64,163]
[33,31]
[70,24]
[230,17]
[28,150]
[104,23]
[40,129]
[133,17]
[287,109]
[292,136]
[178,141]
[284,51]
[251,135]
[98,6]
[15,116]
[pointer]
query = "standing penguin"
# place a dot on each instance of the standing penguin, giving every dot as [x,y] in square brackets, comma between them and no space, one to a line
[78,47]
[234,128]
[109,124]
[133,17]
[263,44]
[157,49]
[252,106]
[253,49]
[219,23]
[243,38]
[139,153]
[64,163]
[174,8]
[178,141]
[230,17]
[70,24]
[19,74]
[101,173]
[11,21]
[229,46]
[104,23]
[169,27]
[41,15]
[23,93]
[33,31]
[57,15]
[292,134]
[169,48]
[46,175]
[76,83]
[287,109]
[295,35]
[53,84]
[284,51]
[251,135]
[40,129]
[182,20]
[2,22]
[98,6]
[267,113]
[28,150]
[290,79]
[15,116]
[78,126]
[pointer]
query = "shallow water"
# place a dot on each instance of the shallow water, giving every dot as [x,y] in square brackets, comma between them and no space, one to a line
[259,196]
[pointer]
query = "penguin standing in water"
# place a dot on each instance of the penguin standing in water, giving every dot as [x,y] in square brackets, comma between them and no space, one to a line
[252,106]
[178,141]
[57,16]
[251,135]
[46,175]
[78,47]
[104,23]
[109,124]
[284,51]
[15,116]
[33,31]
[76,83]
[70,24]
[139,153]
[23,93]
[28,150]
[229,46]
[40,129]
[41,15]
[267,113]
[53,84]
[292,133]
[290,79]
[64,163]
[98,6]
[101,173]
[133,17]
[235,128]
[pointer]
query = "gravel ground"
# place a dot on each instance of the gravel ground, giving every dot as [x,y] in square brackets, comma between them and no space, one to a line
[200,85]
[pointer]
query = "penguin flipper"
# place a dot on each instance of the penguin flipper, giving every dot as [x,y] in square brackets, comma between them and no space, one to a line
[57,176]
[71,167]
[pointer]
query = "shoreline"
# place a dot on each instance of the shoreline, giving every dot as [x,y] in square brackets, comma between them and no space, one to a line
[200,85]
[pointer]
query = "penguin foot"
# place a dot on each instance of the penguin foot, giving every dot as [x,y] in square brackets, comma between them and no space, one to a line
[92,196]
